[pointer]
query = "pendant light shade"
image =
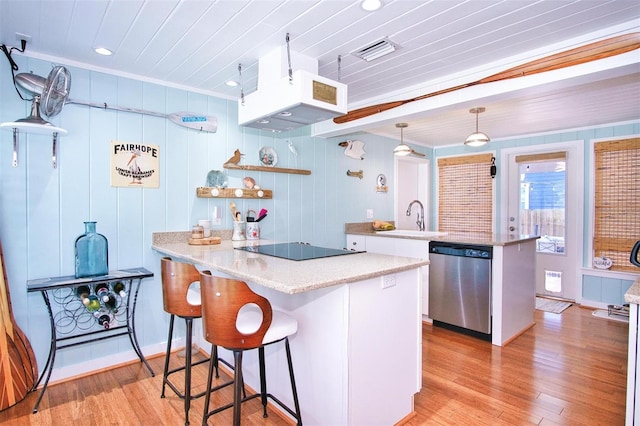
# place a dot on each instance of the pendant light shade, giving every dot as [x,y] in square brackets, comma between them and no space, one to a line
[402,149]
[477,138]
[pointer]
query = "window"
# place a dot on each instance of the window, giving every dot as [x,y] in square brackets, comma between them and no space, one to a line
[465,197]
[543,198]
[616,201]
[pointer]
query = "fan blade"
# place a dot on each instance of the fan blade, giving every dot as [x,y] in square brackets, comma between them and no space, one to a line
[56,91]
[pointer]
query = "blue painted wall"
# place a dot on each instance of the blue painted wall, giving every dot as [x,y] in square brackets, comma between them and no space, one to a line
[595,287]
[42,209]
[607,290]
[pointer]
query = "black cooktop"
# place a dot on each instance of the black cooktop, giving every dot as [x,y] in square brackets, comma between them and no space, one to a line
[296,251]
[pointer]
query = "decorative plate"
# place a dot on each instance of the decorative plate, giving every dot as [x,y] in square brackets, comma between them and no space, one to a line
[268,156]
[602,262]
[217,179]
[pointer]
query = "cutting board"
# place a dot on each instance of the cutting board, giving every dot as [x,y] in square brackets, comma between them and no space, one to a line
[205,241]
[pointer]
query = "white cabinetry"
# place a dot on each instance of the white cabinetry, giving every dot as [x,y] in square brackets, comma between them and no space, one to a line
[397,247]
[360,326]
[633,384]
[356,242]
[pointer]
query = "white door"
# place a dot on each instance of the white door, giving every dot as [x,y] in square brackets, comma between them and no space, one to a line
[412,183]
[543,186]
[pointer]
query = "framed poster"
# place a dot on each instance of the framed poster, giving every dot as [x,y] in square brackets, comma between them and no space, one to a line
[135,165]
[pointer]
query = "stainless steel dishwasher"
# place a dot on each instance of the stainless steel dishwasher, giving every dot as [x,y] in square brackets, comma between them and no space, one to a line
[460,287]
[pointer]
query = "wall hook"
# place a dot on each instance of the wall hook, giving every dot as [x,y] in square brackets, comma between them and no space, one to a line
[358,174]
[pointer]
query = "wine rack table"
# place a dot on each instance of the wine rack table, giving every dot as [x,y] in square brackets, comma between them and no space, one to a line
[72,324]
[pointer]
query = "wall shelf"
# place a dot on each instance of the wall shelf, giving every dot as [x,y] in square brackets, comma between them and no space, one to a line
[209,192]
[43,128]
[232,166]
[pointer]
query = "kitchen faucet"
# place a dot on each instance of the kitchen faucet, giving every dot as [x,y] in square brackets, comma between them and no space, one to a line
[420,219]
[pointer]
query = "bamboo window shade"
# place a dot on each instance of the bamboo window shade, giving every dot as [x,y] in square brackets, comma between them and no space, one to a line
[465,197]
[546,156]
[617,201]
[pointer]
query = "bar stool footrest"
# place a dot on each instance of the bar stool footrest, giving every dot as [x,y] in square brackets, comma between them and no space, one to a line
[180,393]
[182,368]
[248,398]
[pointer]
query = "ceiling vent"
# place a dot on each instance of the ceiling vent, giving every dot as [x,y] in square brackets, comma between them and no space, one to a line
[376,50]
[282,104]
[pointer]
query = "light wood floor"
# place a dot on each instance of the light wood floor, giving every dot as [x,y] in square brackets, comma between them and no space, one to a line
[569,369]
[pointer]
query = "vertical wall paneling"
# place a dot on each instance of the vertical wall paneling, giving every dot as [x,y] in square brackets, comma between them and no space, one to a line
[322,196]
[42,209]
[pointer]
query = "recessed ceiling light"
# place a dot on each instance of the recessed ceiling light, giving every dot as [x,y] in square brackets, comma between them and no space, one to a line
[103,51]
[263,121]
[232,83]
[371,5]
[285,114]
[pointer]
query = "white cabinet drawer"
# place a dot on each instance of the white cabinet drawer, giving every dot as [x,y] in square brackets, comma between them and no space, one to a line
[356,242]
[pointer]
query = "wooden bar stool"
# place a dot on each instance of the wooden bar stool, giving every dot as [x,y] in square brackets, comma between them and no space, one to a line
[183,301]
[236,318]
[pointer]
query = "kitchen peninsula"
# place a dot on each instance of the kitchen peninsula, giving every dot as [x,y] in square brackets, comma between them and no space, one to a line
[513,292]
[357,353]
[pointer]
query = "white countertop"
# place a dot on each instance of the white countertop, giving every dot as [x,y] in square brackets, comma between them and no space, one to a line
[479,238]
[633,294]
[287,276]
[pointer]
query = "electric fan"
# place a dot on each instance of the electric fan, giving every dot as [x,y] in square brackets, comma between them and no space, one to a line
[50,93]
[49,96]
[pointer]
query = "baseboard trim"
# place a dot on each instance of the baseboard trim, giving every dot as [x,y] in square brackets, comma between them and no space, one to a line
[108,362]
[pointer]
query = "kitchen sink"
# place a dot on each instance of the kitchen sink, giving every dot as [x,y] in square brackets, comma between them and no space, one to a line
[412,233]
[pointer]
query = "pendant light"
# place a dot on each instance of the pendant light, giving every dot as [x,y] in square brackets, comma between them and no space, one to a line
[477,138]
[402,149]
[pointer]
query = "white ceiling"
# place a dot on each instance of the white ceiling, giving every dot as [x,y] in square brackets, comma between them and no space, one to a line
[198,45]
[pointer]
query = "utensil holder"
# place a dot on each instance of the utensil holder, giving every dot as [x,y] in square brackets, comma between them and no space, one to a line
[239,231]
[253,231]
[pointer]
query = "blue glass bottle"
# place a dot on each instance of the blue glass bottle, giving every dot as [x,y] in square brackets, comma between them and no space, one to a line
[92,254]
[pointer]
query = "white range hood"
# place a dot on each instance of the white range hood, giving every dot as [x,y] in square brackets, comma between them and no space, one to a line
[280,105]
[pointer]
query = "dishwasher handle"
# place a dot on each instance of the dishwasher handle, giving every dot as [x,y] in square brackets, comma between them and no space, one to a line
[461,250]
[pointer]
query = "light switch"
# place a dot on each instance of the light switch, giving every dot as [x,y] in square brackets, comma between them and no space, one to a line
[217,216]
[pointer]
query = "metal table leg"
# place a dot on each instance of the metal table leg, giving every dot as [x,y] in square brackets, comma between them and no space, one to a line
[48,367]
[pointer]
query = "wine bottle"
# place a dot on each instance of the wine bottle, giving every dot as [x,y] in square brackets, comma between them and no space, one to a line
[118,288]
[104,320]
[102,290]
[83,292]
[92,303]
[111,303]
